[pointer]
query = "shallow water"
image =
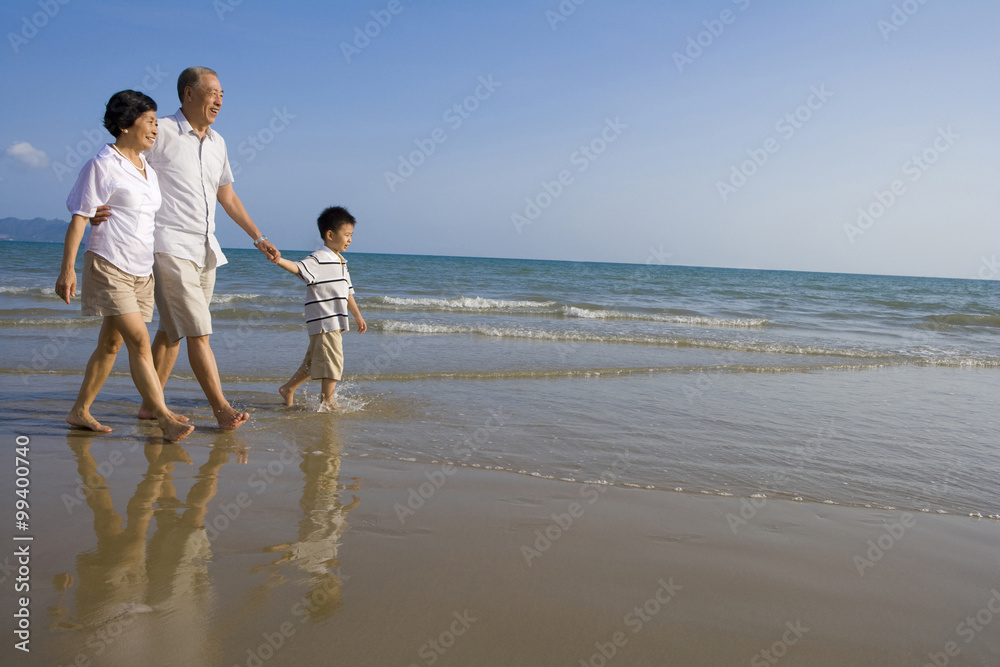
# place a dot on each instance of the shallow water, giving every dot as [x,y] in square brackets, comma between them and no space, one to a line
[853,390]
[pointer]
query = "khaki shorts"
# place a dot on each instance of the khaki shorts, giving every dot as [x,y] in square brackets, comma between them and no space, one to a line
[109,291]
[325,356]
[183,293]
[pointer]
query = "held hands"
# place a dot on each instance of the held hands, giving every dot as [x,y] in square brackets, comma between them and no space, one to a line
[66,284]
[271,252]
[102,214]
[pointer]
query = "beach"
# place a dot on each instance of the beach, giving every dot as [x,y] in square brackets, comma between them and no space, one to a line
[691,467]
[314,562]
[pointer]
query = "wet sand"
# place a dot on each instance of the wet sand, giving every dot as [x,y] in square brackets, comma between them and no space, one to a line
[309,555]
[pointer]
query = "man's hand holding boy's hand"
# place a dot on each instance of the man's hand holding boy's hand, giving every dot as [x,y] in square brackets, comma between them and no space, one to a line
[269,250]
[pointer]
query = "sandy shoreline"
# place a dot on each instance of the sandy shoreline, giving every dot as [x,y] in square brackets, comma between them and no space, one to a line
[312,556]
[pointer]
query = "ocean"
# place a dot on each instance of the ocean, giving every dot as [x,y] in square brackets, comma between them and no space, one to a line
[853,390]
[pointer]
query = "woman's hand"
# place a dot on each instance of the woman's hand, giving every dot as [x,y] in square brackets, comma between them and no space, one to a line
[66,284]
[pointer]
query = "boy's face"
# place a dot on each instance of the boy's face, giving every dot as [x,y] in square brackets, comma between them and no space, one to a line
[339,240]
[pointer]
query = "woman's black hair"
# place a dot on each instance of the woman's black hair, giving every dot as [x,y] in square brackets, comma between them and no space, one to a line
[124,108]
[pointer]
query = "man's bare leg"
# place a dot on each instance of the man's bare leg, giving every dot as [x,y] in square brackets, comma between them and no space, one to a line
[203,364]
[164,358]
[109,341]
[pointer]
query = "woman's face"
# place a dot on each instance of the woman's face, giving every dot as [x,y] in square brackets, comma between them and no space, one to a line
[143,132]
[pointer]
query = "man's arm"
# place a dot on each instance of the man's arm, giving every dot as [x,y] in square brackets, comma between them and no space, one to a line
[102,214]
[234,209]
[352,307]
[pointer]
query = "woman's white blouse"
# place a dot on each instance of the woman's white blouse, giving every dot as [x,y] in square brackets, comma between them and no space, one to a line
[126,238]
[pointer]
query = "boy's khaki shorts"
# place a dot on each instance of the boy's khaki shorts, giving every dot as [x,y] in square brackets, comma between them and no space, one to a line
[325,356]
[183,294]
[108,291]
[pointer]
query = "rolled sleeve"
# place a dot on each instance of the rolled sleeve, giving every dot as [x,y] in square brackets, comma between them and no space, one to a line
[92,189]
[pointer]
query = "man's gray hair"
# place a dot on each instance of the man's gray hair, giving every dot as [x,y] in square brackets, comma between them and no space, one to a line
[191,77]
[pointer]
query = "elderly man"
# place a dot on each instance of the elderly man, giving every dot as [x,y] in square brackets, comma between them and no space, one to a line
[193,168]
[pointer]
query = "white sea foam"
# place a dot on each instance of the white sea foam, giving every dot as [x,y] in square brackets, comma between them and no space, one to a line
[466,304]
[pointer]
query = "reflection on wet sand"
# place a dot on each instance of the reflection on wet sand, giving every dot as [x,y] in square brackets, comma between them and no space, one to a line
[124,576]
[323,522]
[137,593]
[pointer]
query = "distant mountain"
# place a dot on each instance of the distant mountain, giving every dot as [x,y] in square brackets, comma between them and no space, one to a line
[39,229]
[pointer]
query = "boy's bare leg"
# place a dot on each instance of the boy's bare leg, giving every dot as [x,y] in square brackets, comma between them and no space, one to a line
[329,388]
[203,364]
[287,390]
[109,341]
[140,361]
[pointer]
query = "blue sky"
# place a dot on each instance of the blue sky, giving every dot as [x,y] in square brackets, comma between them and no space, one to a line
[847,136]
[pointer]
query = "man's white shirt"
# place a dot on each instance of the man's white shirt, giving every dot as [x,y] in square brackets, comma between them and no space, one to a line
[190,171]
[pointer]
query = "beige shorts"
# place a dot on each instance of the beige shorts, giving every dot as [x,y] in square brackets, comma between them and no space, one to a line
[183,294]
[325,356]
[108,291]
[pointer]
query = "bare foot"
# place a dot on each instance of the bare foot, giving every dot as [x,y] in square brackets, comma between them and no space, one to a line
[175,431]
[327,406]
[86,421]
[230,420]
[287,394]
[146,413]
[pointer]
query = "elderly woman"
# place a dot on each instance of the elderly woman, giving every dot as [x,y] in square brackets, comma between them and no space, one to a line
[118,265]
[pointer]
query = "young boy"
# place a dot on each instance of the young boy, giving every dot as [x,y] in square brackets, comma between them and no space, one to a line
[329,297]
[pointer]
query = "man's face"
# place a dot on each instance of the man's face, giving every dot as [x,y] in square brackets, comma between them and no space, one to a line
[204,100]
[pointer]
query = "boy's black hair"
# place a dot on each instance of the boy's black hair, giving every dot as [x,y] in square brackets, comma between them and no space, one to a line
[333,219]
[124,108]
